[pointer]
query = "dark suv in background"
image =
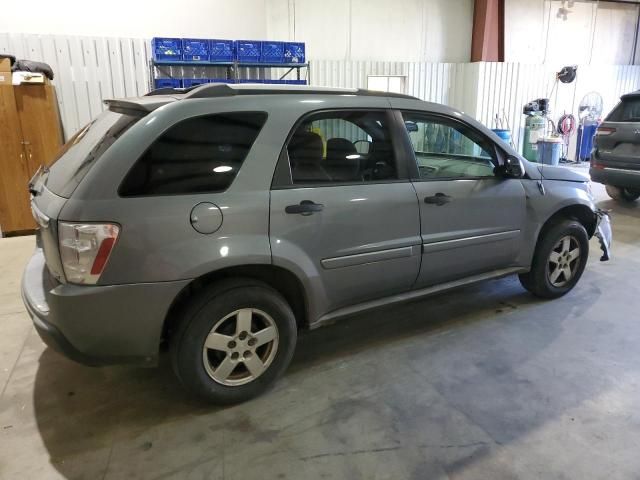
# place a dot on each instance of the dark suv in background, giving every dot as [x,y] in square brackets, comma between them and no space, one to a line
[616,158]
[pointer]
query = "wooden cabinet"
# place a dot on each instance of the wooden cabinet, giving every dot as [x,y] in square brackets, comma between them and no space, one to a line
[30,136]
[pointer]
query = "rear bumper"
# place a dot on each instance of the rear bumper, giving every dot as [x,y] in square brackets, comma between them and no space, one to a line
[618,177]
[97,325]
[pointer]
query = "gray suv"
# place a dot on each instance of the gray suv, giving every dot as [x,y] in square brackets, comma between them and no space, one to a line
[222,220]
[616,155]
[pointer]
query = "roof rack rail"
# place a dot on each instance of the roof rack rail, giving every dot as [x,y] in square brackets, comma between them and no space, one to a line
[210,91]
[375,93]
[225,90]
[170,91]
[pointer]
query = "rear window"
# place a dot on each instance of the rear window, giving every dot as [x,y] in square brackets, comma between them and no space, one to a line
[83,149]
[197,155]
[626,111]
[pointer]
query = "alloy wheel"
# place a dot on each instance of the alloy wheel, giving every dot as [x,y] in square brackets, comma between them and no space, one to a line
[240,347]
[564,261]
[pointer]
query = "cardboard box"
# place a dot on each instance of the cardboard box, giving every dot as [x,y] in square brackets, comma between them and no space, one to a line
[5,71]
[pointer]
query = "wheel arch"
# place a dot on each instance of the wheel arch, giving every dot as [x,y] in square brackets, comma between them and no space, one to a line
[577,211]
[280,279]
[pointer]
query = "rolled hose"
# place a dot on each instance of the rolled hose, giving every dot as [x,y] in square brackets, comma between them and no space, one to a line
[566,125]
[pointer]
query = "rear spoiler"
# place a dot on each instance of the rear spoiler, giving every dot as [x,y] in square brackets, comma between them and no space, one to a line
[138,107]
[631,95]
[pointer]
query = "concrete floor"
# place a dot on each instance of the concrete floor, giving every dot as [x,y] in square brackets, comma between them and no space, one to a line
[485,382]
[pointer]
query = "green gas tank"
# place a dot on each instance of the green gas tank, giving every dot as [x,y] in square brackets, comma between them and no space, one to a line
[534,127]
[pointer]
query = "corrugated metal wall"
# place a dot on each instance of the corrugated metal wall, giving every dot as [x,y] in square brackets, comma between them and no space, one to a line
[90,69]
[87,70]
[485,89]
[503,89]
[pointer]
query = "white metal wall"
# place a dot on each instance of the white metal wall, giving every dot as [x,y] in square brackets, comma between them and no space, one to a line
[485,89]
[91,69]
[503,89]
[87,70]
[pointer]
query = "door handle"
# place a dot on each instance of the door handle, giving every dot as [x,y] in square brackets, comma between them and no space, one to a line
[305,207]
[438,199]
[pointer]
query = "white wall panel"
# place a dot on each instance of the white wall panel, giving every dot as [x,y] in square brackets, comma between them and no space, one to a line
[485,89]
[91,69]
[406,30]
[593,32]
[138,18]
[87,70]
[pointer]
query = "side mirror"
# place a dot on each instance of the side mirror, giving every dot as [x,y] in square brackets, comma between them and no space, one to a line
[512,168]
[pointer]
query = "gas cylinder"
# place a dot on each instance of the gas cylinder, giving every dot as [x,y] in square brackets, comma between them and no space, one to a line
[534,127]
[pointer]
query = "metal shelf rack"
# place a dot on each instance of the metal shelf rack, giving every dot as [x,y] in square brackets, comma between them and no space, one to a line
[231,68]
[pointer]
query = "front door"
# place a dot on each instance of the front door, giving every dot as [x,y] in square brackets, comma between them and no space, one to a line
[345,217]
[471,219]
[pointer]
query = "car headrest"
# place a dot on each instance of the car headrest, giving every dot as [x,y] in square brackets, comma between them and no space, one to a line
[339,148]
[305,148]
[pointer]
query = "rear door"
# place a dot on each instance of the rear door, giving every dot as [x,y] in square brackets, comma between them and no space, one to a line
[471,220]
[618,137]
[343,211]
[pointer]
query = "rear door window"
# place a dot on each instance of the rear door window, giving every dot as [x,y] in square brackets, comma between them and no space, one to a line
[197,155]
[626,111]
[83,149]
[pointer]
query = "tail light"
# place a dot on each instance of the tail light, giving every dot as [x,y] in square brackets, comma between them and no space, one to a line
[604,131]
[85,249]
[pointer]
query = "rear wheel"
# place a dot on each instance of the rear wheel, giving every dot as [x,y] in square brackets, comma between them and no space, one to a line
[559,260]
[623,194]
[234,341]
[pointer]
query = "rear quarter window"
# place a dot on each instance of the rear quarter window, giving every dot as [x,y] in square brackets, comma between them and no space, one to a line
[197,155]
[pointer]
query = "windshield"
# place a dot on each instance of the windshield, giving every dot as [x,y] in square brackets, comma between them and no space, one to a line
[78,155]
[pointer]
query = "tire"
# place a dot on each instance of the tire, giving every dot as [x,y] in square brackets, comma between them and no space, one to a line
[623,194]
[544,280]
[234,366]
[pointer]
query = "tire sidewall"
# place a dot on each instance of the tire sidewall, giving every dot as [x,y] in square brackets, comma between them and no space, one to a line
[188,347]
[630,194]
[548,242]
[622,194]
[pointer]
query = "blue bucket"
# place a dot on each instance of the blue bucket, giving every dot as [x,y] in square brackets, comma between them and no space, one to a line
[549,150]
[504,134]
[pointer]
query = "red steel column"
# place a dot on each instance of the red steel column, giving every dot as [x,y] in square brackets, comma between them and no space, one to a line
[487,39]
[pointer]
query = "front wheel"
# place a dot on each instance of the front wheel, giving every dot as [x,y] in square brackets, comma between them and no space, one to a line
[234,341]
[559,260]
[623,194]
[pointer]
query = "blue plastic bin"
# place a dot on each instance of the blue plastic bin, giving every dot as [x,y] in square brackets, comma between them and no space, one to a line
[272,52]
[248,51]
[222,80]
[549,150]
[192,82]
[250,80]
[195,50]
[167,83]
[504,134]
[294,52]
[167,49]
[296,82]
[220,50]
